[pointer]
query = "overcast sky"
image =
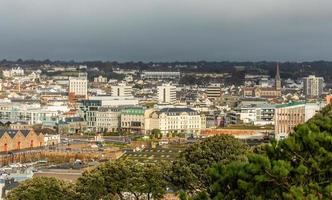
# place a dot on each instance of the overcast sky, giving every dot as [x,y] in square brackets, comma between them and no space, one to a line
[166,30]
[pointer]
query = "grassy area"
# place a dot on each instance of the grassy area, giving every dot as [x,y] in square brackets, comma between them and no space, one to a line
[150,155]
[249,127]
[112,144]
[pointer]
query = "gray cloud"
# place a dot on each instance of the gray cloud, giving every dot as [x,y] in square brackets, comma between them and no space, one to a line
[166,30]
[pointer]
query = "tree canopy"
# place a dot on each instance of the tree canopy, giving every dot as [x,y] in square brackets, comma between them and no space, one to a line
[299,167]
[189,171]
[43,188]
[121,180]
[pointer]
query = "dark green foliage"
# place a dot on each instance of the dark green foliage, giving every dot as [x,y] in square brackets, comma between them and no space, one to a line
[113,179]
[43,188]
[299,167]
[189,171]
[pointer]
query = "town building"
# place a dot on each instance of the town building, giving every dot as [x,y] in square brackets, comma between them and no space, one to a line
[18,71]
[20,139]
[158,75]
[181,120]
[108,119]
[133,120]
[166,93]
[79,86]
[288,116]
[213,91]
[313,86]
[114,101]
[262,114]
[122,90]
[72,125]
[100,79]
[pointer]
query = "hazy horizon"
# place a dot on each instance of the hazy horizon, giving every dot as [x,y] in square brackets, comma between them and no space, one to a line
[166,31]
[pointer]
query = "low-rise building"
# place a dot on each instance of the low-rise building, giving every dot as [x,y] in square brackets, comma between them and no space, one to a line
[20,139]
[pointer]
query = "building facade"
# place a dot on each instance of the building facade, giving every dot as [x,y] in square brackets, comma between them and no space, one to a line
[78,86]
[108,119]
[20,139]
[166,93]
[288,116]
[122,90]
[180,120]
[313,86]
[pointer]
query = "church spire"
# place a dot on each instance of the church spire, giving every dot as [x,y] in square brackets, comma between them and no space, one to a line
[277,78]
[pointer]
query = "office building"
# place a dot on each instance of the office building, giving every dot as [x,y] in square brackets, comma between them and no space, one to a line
[122,90]
[213,91]
[166,93]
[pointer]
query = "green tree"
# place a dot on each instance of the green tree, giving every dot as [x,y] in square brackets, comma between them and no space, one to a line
[113,180]
[188,173]
[299,167]
[156,132]
[43,188]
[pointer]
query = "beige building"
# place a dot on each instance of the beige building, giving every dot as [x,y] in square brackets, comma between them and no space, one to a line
[122,90]
[166,93]
[181,120]
[108,119]
[78,86]
[288,116]
[313,86]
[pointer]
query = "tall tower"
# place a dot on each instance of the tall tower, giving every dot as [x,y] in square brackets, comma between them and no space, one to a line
[277,79]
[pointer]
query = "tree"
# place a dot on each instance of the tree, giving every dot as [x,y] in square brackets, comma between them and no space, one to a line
[43,188]
[188,173]
[299,167]
[113,180]
[156,132]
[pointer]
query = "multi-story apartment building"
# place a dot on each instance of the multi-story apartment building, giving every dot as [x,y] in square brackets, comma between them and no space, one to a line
[180,120]
[108,119]
[78,86]
[166,93]
[122,90]
[313,86]
[261,114]
[288,116]
[213,91]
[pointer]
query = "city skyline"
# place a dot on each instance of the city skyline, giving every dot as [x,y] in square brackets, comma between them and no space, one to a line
[166,30]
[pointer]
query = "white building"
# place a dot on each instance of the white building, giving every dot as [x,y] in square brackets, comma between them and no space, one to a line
[115,101]
[160,75]
[313,86]
[166,93]
[13,72]
[108,119]
[78,86]
[122,90]
[180,120]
